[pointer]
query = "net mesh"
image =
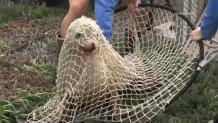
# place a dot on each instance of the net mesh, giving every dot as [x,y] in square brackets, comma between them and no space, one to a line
[194,9]
[150,62]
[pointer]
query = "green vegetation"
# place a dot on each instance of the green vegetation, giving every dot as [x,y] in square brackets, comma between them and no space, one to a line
[199,104]
[12,12]
[14,111]
[48,70]
[3,46]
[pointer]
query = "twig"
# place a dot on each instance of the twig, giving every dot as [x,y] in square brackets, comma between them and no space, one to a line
[24,45]
[196,116]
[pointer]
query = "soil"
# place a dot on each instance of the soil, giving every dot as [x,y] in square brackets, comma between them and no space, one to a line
[26,45]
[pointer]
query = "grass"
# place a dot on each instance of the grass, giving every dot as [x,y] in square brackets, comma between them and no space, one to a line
[16,111]
[3,47]
[198,104]
[48,70]
[12,12]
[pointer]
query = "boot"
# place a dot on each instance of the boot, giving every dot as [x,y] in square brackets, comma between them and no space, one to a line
[59,41]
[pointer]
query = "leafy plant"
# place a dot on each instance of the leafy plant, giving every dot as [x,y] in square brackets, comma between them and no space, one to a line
[3,46]
[43,11]
[13,111]
[199,104]
[12,12]
[48,70]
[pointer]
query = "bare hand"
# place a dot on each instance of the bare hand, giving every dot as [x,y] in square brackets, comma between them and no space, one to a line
[132,4]
[196,34]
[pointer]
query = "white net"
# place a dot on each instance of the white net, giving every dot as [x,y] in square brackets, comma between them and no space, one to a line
[151,61]
[194,9]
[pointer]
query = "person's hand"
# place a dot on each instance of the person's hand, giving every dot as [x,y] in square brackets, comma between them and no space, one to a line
[110,46]
[196,34]
[133,5]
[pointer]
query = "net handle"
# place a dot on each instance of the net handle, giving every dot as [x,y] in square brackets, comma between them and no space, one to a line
[211,54]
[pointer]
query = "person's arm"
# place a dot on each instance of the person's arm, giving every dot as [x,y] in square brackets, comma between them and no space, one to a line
[209,24]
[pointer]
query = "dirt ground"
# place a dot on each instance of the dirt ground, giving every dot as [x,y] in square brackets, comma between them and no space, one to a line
[24,45]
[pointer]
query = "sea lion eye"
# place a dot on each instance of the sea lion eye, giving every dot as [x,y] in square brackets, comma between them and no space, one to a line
[78,35]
